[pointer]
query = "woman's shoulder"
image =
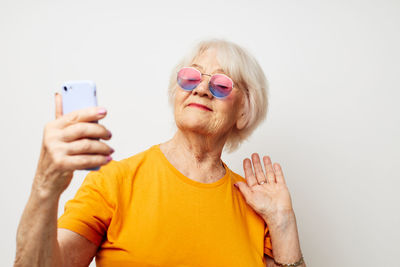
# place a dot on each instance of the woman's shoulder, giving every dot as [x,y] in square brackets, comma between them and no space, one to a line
[116,175]
[236,177]
[132,162]
[117,171]
[150,152]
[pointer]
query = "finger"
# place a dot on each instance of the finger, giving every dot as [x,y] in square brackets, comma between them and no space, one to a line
[58,100]
[244,189]
[85,130]
[258,168]
[269,170]
[279,173]
[248,172]
[90,114]
[88,146]
[81,162]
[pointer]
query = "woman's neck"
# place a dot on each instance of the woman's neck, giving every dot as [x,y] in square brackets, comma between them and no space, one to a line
[196,156]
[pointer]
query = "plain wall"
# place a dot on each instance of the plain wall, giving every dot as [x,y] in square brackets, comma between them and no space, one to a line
[333,122]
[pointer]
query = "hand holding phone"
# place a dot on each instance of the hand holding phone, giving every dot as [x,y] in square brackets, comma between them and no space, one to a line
[78,95]
[71,142]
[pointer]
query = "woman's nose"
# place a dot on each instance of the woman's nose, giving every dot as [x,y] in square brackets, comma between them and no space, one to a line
[202,88]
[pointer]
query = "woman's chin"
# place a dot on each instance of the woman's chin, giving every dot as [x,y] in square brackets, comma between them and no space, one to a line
[194,126]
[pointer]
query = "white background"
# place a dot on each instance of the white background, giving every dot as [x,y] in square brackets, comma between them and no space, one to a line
[333,122]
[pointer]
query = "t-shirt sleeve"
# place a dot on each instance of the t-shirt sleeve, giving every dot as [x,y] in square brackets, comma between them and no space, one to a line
[90,211]
[267,243]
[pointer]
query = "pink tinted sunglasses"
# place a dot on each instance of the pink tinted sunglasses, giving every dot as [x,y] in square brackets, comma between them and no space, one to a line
[220,85]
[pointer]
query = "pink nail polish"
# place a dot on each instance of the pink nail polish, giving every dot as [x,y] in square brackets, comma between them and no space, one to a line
[101,111]
[109,158]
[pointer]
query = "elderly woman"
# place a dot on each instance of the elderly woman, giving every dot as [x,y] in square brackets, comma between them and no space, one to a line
[177,203]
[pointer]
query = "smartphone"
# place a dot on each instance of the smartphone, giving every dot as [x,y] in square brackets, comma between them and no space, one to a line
[79,95]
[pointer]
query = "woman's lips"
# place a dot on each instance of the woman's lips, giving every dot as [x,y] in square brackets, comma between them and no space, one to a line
[199,106]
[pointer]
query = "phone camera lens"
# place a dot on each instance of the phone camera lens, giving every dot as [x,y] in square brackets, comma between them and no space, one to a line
[65,88]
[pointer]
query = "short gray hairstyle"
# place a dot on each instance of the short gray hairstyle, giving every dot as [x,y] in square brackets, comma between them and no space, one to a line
[247,75]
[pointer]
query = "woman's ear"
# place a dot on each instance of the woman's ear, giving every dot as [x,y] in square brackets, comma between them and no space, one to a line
[243,117]
[242,121]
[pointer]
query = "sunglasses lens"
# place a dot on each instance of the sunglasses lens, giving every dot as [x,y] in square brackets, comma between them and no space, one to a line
[188,78]
[220,85]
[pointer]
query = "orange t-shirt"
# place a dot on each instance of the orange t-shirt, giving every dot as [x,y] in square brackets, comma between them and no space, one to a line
[141,211]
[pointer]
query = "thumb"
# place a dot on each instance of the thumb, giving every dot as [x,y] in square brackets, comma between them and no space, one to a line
[244,189]
[58,99]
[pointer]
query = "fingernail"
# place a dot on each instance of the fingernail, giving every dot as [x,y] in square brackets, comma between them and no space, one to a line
[112,150]
[109,134]
[235,185]
[102,111]
[109,158]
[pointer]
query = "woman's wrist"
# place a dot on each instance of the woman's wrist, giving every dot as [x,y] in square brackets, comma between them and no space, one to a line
[50,182]
[43,188]
[284,237]
[280,220]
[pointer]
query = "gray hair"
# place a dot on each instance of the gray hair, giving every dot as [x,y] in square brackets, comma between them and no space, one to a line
[248,76]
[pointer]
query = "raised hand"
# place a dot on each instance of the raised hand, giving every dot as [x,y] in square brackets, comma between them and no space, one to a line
[71,142]
[266,192]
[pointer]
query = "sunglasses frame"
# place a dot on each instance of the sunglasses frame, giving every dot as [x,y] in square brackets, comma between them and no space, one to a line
[201,79]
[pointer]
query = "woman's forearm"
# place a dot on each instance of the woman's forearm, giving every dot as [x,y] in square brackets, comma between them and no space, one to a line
[60,155]
[285,238]
[37,243]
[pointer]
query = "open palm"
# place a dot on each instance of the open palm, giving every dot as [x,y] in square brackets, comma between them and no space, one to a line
[267,192]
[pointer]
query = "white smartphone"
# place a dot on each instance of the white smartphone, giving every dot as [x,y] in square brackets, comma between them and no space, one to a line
[79,95]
